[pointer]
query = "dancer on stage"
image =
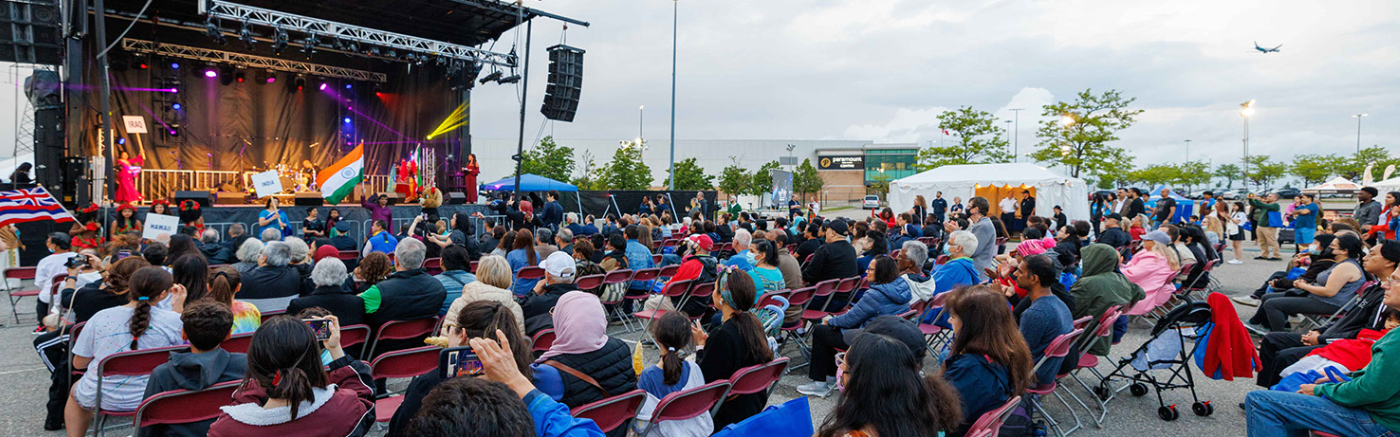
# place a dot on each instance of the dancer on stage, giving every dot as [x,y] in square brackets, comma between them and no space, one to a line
[126,221]
[273,218]
[471,171]
[127,169]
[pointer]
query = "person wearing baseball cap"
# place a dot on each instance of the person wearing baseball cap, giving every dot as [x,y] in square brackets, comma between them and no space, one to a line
[834,260]
[559,271]
[1113,234]
[1154,265]
[698,266]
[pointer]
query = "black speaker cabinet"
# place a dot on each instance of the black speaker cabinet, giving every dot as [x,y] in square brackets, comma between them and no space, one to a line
[394,198]
[233,198]
[309,198]
[456,198]
[202,197]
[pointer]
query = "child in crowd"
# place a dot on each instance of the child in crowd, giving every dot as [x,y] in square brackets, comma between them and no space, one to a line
[1345,355]
[672,374]
[206,325]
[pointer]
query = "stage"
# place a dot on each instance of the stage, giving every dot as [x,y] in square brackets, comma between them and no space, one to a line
[219,217]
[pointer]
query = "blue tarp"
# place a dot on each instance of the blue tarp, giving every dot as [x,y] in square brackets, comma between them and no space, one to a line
[529,182]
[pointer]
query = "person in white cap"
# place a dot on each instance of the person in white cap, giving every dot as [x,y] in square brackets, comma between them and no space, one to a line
[559,272]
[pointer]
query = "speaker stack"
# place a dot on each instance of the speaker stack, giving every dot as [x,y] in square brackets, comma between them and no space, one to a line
[30,32]
[203,198]
[565,83]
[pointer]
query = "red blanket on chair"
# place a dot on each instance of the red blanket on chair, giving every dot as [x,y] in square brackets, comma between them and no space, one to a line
[1229,351]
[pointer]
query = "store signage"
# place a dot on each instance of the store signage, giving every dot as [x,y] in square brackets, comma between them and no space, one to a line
[841,162]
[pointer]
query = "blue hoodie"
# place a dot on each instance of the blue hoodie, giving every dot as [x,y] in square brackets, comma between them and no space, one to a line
[982,385]
[954,274]
[881,299]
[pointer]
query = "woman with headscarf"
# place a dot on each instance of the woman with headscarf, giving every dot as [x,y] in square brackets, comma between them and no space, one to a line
[1100,288]
[584,364]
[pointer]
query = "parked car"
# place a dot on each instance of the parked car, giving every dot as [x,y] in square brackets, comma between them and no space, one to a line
[1287,193]
[871,202]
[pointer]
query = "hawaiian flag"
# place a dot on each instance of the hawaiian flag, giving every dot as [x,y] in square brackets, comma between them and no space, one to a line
[30,205]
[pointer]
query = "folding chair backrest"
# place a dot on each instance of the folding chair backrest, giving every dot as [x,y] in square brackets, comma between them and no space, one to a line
[529,272]
[942,259]
[353,335]
[20,273]
[646,274]
[617,276]
[238,344]
[473,266]
[406,363]
[184,406]
[801,296]
[656,259]
[703,289]
[1083,322]
[758,378]
[670,270]
[990,423]
[612,412]
[676,288]
[767,298]
[542,341]
[589,282]
[433,265]
[270,314]
[1059,347]
[406,329]
[136,363]
[825,288]
[348,255]
[847,285]
[686,404]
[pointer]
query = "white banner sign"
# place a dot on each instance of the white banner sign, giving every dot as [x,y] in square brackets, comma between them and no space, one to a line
[135,124]
[267,183]
[157,225]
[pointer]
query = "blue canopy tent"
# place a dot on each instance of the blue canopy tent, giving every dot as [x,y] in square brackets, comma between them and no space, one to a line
[530,182]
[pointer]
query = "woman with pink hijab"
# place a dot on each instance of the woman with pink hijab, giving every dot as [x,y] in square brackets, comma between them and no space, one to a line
[584,364]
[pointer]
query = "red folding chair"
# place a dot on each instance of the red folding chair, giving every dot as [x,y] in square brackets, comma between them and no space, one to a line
[401,330]
[353,335]
[542,341]
[686,404]
[656,259]
[1058,348]
[179,407]
[270,314]
[799,298]
[754,379]
[473,266]
[131,363]
[669,271]
[348,255]
[433,266]
[1103,329]
[989,425]
[529,273]
[407,363]
[20,273]
[673,290]
[701,291]
[237,344]
[768,298]
[620,311]
[825,289]
[589,282]
[612,412]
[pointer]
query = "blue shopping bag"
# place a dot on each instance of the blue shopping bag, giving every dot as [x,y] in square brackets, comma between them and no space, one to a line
[792,419]
[1275,219]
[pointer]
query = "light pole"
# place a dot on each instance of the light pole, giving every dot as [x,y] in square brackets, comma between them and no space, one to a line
[1008,128]
[1016,148]
[675,24]
[792,158]
[1188,150]
[1358,129]
[641,116]
[1246,111]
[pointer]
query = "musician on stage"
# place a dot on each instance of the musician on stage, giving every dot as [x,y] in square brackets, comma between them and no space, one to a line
[273,218]
[306,177]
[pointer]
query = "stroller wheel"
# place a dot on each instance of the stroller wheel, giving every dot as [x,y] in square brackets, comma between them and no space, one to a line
[1138,389]
[1168,413]
[1202,409]
[1102,392]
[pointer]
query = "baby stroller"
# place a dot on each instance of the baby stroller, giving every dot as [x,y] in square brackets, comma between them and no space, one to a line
[1167,351]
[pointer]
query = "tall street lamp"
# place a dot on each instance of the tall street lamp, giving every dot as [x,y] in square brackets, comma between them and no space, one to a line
[1016,147]
[1008,129]
[1358,129]
[675,24]
[1188,150]
[1246,111]
[641,115]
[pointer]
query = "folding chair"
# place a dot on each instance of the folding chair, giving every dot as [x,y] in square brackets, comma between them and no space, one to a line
[1311,321]
[669,271]
[179,407]
[612,412]
[542,341]
[473,266]
[674,290]
[353,335]
[799,298]
[656,259]
[407,363]
[622,306]
[20,273]
[1103,329]
[686,404]
[989,425]
[433,266]
[754,379]
[1058,348]
[238,343]
[401,330]
[270,314]
[131,363]
[529,272]
[589,282]
[348,255]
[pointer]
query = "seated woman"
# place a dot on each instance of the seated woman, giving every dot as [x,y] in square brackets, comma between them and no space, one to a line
[886,395]
[1193,238]
[1334,288]
[492,284]
[875,245]
[888,295]
[1316,260]
[521,255]
[288,392]
[1369,404]
[1155,266]
[330,293]
[581,348]
[739,342]
[989,362]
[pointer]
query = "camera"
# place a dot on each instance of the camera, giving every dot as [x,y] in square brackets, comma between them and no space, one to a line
[76,262]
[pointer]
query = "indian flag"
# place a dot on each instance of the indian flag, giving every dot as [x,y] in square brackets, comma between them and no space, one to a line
[339,180]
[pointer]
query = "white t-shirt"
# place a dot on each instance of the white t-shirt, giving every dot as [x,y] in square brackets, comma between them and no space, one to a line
[1008,205]
[107,333]
[815,207]
[48,268]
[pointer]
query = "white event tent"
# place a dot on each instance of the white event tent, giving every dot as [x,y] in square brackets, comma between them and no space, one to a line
[993,181]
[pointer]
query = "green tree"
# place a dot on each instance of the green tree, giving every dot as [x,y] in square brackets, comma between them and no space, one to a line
[1314,169]
[1192,174]
[806,180]
[1263,172]
[1354,166]
[733,180]
[980,140]
[590,174]
[1077,134]
[1228,171]
[1156,174]
[690,176]
[626,171]
[762,180]
[549,160]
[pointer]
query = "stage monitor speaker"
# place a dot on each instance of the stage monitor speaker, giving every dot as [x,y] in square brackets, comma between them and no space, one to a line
[30,32]
[565,83]
[456,198]
[48,146]
[76,191]
[308,198]
[394,198]
[232,198]
[200,197]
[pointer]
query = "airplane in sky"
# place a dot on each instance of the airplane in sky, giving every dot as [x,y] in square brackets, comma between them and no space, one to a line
[1266,50]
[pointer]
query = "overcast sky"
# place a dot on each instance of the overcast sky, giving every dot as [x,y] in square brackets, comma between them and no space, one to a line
[883,69]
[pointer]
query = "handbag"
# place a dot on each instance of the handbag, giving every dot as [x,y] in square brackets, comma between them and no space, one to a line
[1295,381]
[791,419]
[1275,219]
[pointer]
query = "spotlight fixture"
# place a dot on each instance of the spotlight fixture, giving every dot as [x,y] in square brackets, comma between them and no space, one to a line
[279,41]
[322,87]
[308,45]
[246,35]
[374,51]
[226,75]
[174,65]
[142,66]
[392,53]
[210,73]
[509,79]
[238,77]
[299,83]
[346,120]
[495,75]
[121,141]
[176,106]
[212,30]
[263,78]
[348,86]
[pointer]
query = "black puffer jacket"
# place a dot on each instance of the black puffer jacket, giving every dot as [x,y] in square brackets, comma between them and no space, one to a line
[610,365]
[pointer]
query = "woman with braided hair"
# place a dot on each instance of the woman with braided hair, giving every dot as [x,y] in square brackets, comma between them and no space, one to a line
[137,325]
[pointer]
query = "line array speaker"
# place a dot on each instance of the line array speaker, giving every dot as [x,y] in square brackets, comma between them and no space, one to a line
[30,32]
[565,83]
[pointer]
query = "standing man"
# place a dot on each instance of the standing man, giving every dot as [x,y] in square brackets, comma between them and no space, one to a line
[1267,235]
[1007,206]
[1125,199]
[1368,210]
[1166,209]
[1207,204]
[1304,222]
[553,213]
[940,207]
[1134,204]
[981,227]
[794,208]
[1027,207]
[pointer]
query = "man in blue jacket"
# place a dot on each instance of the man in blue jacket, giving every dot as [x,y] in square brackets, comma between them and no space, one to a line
[552,214]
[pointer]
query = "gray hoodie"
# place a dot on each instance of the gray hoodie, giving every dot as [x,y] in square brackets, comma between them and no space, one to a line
[191,371]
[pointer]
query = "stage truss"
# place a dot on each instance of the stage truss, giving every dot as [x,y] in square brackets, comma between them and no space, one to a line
[318,28]
[249,61]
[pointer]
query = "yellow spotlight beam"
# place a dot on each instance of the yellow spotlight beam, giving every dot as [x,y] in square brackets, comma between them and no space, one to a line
[453,121]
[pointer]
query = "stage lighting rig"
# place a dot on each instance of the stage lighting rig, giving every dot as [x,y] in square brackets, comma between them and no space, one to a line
[212,30]
[309,45]
[246,35]
[509,79]
[495,75]
[279,41]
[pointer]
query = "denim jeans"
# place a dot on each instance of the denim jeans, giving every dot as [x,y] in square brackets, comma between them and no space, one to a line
[1276,413]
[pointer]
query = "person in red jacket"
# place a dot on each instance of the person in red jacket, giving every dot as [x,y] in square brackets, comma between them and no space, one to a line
[287,393]
[1346,355]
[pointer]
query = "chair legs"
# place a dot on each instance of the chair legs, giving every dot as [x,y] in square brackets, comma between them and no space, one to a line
[623,316]
[1103,403]
[801,347]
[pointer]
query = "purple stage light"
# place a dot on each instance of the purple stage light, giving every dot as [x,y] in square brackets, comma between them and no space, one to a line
[177,106]
[322,87]
[347,86]
[211,73]
[271,79]
[172,132]
[175,65]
